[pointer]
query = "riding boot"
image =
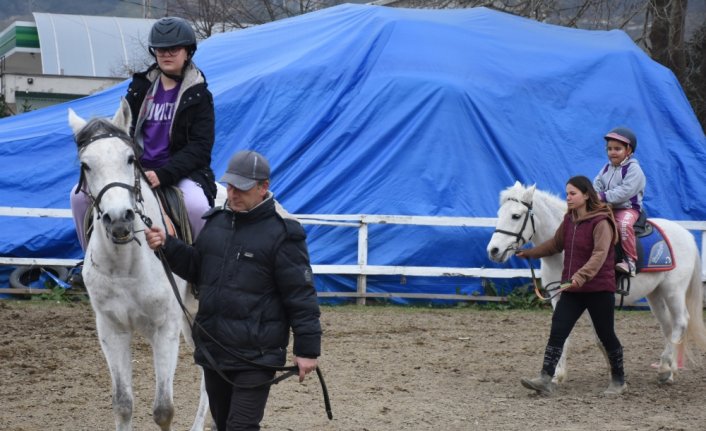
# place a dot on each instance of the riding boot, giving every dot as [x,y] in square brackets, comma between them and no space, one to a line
[542,384]
[617,383]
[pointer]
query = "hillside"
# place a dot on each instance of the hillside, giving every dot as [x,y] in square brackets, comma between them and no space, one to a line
[21,10]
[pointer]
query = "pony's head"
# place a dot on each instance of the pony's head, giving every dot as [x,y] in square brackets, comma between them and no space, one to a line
[515,225]
[109,171]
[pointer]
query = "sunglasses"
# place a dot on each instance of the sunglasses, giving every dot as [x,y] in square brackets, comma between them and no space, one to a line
[168,51]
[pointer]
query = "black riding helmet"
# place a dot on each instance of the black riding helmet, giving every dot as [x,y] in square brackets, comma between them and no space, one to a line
[624,135]
[172,31]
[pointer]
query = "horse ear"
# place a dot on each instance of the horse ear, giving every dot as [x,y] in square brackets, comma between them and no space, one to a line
[123,116]
[77,123]
[529,193]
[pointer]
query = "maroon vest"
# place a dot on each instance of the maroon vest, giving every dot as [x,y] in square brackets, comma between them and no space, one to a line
[578,246]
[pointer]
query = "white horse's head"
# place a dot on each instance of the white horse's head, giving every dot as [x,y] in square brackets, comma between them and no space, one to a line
[515,222]
[109,173]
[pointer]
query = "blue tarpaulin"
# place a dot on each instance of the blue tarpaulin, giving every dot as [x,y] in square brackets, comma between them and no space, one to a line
[374,110]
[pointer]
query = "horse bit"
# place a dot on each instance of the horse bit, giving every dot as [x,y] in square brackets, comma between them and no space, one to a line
[135,189]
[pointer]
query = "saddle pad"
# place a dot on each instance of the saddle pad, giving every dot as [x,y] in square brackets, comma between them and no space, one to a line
[657,251]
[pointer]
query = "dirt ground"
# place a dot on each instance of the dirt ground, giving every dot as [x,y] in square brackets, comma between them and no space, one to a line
[387,368]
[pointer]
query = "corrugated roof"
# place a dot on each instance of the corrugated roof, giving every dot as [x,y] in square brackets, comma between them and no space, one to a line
[83,45]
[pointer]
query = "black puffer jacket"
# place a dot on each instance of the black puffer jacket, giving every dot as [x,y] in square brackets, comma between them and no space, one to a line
[255,282]
[192,131]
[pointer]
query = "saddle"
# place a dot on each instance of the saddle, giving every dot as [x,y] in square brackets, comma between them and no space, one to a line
[174,213]
[654,252]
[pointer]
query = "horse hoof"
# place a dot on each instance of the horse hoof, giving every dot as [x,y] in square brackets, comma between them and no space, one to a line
[666,378]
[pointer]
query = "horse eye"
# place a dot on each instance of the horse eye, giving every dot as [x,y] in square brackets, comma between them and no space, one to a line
[85,167]
[131,159]
[516,216]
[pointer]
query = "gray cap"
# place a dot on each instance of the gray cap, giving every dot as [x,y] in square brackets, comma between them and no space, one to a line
[245,169]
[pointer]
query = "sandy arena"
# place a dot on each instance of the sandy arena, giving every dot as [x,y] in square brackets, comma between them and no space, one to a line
[387,368]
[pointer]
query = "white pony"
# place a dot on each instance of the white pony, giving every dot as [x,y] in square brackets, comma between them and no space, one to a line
[675,297]
[126,282]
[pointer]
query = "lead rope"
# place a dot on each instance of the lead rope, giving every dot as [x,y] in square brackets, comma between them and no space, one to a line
[288,371]
[551,292]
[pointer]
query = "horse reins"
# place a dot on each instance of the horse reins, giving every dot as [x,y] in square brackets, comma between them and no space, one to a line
[551,292]
[288,371]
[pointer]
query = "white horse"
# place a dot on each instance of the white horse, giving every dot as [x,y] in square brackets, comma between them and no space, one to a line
[675,297]
[126,282]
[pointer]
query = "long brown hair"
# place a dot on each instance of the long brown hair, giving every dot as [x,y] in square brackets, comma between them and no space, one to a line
[585,186]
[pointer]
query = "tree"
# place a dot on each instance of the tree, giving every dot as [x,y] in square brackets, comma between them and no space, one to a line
[657,26]
[695,75]
[5,110]
[209,16]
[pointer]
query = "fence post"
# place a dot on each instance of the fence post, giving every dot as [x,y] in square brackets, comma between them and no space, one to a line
[703,257]
[362,261]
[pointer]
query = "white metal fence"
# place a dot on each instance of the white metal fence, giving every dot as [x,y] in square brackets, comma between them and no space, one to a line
[362,269]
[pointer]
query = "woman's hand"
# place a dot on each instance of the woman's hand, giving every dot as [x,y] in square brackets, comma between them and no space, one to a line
[522,254]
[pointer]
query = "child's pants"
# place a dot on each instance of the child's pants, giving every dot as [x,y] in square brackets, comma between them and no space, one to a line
[625,218]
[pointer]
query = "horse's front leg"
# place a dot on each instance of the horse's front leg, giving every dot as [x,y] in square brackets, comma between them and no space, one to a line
[667,364]
[599,343]
[165,349]
[202,412]
[560,371]
[115,342]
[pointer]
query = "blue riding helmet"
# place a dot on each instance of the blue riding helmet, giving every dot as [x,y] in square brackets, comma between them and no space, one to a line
[624,135]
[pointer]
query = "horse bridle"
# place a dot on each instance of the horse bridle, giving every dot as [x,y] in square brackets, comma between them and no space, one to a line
[135,189]
[519,238]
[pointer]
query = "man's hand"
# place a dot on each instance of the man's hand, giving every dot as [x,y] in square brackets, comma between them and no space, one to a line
[155,237]
[306,365]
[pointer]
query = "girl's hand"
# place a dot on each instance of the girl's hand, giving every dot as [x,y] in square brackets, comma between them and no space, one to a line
[152,178]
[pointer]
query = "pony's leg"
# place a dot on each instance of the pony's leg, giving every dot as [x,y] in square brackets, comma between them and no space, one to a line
[598,342]
[115,342]
[203,409]
[560,371]
[165,350]
[667,364]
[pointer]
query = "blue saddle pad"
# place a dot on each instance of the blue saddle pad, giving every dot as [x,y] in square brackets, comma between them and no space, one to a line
[657,251]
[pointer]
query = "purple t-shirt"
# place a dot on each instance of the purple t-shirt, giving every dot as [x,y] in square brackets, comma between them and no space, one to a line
[155,130]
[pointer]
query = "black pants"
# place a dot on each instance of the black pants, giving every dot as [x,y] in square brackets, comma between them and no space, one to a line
[237,409]
[600,306]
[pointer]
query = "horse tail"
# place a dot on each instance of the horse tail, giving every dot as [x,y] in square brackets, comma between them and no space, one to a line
[696,330]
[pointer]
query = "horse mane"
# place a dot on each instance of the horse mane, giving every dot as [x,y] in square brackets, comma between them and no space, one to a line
[551,200]
[97,126]
[519,192]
